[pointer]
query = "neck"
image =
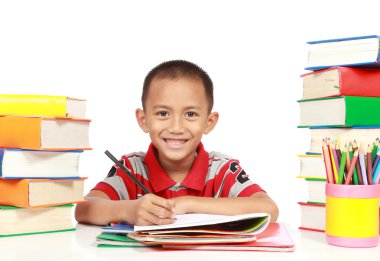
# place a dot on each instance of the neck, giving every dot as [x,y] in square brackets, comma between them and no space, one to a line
[177,170]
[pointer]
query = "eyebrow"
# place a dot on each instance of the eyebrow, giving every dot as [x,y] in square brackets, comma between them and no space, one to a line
[159,106]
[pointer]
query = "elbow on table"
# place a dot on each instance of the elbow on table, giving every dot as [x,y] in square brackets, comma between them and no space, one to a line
[273,211]
[79,213]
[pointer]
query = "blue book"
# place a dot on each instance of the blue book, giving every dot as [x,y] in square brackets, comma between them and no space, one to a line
[361,51]
[120,228]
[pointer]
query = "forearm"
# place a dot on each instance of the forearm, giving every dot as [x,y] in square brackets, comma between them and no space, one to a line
[100,211]
[228,206]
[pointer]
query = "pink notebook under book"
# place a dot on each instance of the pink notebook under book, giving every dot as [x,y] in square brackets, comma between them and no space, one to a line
[275,238]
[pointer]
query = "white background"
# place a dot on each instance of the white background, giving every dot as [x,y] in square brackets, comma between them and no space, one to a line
[253,50]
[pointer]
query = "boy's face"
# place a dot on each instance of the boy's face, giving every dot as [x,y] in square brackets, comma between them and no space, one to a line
[176,116]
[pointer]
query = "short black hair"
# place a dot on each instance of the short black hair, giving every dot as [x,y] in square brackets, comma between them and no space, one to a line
[179,69]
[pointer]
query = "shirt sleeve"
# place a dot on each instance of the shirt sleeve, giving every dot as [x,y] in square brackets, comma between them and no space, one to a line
[235,181]
[114,185]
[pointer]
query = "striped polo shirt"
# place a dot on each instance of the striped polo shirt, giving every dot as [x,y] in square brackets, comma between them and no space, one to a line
[212,175]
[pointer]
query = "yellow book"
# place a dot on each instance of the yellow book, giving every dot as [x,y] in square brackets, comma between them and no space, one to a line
[311,166]
[41,105]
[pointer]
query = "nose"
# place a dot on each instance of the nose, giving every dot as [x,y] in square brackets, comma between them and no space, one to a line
[176,125]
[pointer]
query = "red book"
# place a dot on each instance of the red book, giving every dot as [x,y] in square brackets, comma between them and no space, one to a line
[339,80]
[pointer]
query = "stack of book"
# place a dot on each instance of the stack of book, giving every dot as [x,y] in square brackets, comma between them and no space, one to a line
[41,139]
[341,101]
[247,232]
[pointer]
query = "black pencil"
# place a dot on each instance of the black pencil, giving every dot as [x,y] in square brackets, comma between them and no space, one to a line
[123,168]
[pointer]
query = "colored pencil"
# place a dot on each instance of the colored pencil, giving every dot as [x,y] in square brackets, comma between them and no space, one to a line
[336,160]
[338,151]
[342,166]
[359,170]
[326,158]
[369,164]
[375,163]
[376,175]
[348,158]
[374,150]
[354,145]
[334,169]
[351,164]
[354,176]
[362,166]
[352,167]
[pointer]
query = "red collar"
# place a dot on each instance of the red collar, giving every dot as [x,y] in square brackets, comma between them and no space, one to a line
[160,180]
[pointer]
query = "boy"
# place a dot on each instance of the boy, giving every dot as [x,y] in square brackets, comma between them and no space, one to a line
[177,103]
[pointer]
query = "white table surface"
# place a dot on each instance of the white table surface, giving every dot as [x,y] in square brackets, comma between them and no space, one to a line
[80,245]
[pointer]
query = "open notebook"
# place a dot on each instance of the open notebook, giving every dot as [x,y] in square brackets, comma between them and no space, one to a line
[193,229]
[203,229]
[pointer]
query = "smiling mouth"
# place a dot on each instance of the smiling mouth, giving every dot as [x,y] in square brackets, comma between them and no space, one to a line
[175,143]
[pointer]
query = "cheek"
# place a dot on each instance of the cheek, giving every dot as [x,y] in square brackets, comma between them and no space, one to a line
[198,129]
[155,126]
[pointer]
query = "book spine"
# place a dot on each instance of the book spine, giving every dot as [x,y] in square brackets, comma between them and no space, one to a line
[33,105]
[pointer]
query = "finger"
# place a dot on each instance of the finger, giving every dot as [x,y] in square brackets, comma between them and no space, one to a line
[160,212]
[161,202]
[155,220]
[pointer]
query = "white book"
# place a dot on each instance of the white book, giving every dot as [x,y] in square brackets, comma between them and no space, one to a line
[17,163]
[311,166]
[362,135]
[313,217]
[316,190]
[362,50]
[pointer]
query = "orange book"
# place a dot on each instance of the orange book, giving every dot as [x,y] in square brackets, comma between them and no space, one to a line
[44,133]
[28,193]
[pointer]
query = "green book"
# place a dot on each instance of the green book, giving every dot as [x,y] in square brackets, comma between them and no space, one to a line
[117,240]
[15,221]
[341,111]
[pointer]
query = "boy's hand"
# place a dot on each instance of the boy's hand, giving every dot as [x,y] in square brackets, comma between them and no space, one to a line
[182,204]
[153,210]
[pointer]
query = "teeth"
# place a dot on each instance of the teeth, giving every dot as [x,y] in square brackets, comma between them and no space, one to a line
[175,142]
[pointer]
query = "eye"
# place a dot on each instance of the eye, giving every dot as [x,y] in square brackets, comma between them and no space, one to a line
[162,114]
[191,114]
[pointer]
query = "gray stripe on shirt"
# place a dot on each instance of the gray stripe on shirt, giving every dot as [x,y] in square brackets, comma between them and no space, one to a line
[237,188]
[117,183]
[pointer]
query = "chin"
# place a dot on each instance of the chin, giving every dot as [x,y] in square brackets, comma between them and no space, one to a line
[175,156]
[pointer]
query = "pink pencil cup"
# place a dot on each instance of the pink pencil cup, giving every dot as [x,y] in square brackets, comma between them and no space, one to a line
[352,215]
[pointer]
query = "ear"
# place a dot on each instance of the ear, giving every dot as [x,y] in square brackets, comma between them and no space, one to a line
[141,120]
[212,120]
